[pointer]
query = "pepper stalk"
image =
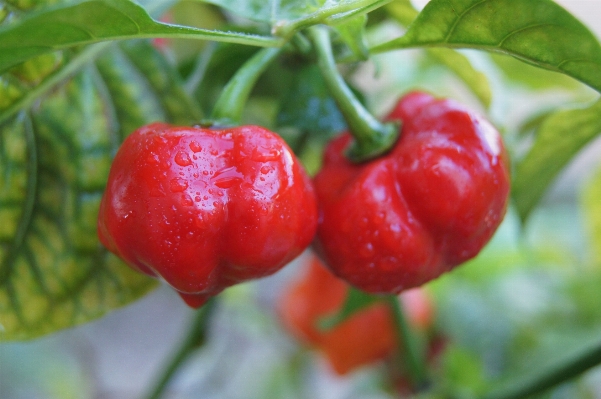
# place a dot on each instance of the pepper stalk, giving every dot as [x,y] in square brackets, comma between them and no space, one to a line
[372,138]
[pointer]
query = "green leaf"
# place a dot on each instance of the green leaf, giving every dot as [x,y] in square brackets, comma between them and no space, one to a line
[461,66]
[54,274]
[53,167]
[591,206]
[288,16]
[355,300]
[559,138]
[269,11]
[308,106]
[532,77]
[539,32]
[403,11]
[64,26]
[352,32]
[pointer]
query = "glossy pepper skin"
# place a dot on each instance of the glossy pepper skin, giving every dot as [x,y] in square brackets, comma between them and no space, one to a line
[364,338]
[429,204]
[204,209]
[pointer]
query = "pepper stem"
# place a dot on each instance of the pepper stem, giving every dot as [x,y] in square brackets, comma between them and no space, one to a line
[230,104]
[192,341]
[410,354]
[372,138]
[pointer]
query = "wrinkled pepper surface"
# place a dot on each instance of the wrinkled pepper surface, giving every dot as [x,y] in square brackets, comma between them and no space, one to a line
[204,209]
[429,204]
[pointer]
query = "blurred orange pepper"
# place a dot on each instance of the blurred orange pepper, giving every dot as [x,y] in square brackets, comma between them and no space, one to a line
[363,338]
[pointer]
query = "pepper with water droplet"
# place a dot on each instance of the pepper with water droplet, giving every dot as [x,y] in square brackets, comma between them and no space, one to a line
[417,211]
[224,213]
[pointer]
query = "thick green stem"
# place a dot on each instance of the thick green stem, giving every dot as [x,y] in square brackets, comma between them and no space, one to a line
[193,340]
[230,105]
[410,354]
[545,377]
[372,138]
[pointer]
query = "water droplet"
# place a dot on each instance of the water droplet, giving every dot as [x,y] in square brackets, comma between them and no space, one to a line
[178,185]
[195,175]
[197,198]
[205,172]
[264,154]
[152,158]
[182,159]
[265,169]
[186,200]
[227,177]
[194,146]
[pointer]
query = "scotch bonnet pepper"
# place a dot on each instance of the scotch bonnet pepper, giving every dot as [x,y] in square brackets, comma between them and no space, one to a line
[429,204]
[365,337]
[204,209]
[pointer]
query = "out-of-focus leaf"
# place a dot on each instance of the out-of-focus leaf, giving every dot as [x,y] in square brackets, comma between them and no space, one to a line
[53,167]
[532,77]
[462,372]
[355,300]
[591,207]
[559,138]
[539,32]
[269,11]
[460,65]
[308,105]
[352,31]
[93,21]
[288,16]
[403,11]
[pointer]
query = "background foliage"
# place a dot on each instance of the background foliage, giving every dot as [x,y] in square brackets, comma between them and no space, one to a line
[77,76]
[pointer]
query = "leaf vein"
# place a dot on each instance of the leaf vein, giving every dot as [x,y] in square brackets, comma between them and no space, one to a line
[459,16]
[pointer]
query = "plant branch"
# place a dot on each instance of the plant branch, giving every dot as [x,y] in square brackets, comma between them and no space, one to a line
[193,340]
[410,354]
[372,138]
[230,105]
[560,371]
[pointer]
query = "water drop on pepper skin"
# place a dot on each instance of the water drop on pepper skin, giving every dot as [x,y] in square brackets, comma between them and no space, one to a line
[182,159]
[178,185]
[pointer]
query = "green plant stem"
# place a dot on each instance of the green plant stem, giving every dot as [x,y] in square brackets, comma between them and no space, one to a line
[230,104]
[335,13]
[410,353]
[372,138]
[546,377]
[192,341]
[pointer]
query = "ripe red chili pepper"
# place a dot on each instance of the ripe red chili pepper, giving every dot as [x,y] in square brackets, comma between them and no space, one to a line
[205,209]
[365,337]
[429,204]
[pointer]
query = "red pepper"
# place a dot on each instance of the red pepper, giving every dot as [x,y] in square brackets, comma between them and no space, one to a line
[429,204]
[204,209]
[365,337]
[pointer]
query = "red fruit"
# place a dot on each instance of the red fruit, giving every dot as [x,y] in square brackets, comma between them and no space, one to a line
[429,204]
[365,337]
[204,209]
